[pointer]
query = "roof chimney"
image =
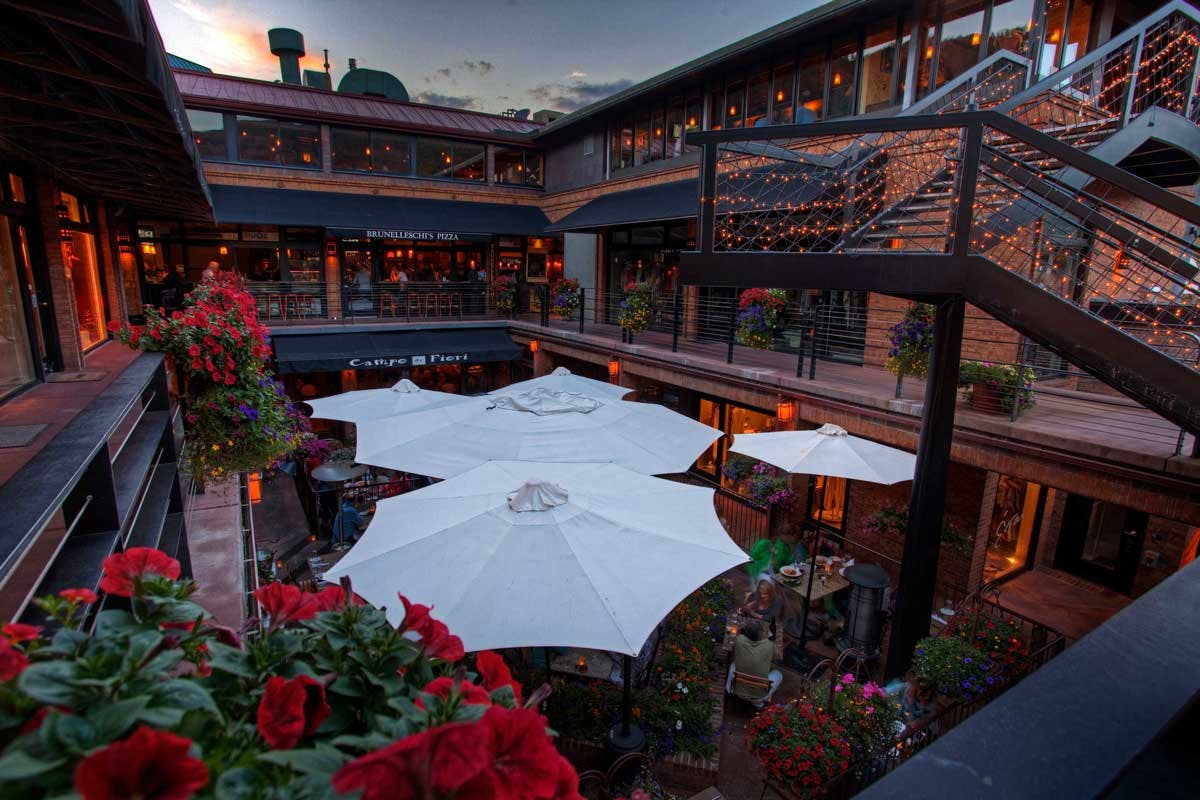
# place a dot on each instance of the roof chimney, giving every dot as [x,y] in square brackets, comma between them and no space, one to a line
[354,63]
[288,45]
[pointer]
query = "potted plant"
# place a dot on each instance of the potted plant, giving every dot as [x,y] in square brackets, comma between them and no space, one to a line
[890,523]
[1000,639]
[911,340]
[328,699]
[758,316]
[505,290]
[866,712]
[800,746]
[564,298]
[637,307]
[767,487]
[994,388]
[954,668]
[737,470]
[236,414]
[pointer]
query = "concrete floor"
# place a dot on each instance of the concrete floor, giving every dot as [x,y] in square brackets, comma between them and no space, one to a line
[214,528]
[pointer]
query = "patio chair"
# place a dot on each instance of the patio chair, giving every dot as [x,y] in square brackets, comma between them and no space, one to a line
[752,689]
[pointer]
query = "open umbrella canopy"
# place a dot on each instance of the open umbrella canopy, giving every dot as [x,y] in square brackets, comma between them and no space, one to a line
[537,425]
[563,380]
[367,404]
[829,450]
[518,554]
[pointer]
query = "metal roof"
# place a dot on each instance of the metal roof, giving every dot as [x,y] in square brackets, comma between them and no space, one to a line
[301,102]
[659,203]
[822,13]
[179,62]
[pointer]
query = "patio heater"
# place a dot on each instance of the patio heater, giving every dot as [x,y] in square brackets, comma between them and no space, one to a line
[864,625]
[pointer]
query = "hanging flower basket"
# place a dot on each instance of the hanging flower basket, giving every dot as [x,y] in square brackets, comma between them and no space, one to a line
[911,340]
[505,289]
[994,388]
[564,298]
[759,311]
[800,746]
[637,308]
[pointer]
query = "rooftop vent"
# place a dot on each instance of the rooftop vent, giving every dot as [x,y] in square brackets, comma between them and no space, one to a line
[372,82]
[288,45]
[315,79]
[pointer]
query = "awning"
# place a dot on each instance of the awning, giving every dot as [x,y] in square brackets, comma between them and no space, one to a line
[366,212]
[333,352]
[667,201]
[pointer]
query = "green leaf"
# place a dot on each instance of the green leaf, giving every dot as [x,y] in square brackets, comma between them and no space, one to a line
[49,682]
[504,696]
[66,642]
[74,733]
[184,694]
[161,717]
[224,658]
[140,645]
[17,765]
[365,742]
[318,760]
[240,783]
[346,687]
[113,720]
[115,622]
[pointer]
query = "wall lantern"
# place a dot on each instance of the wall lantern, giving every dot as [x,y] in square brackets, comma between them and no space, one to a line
[149,249]
[123,246]
[534,345]
[223,250]
[785,410]
[614,369]
[255,487]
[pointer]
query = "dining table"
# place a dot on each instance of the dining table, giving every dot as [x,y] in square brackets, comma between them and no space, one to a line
[826,582]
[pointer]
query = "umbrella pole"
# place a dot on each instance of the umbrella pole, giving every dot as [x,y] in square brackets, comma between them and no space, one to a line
[819,493]
[626,696]
[625,737]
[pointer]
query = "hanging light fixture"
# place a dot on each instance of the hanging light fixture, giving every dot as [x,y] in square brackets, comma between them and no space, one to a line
[614,369]
[223,250]
[785,410]
[534,345]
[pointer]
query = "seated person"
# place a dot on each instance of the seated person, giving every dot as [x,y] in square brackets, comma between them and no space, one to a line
[764,603]
[916,703]
[347,525]
[752,654]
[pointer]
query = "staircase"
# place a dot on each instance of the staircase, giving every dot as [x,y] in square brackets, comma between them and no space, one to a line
[1056,186]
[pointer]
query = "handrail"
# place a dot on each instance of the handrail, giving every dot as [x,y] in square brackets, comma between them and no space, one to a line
[967,78]
[1122,39]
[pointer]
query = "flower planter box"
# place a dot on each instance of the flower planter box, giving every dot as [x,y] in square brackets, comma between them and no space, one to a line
[987,397]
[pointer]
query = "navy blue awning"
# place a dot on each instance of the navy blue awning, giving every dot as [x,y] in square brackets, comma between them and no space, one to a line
[667,201]
[262,206]
[334,352]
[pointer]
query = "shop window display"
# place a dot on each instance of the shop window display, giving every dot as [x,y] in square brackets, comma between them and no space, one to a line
[16,361]
[1014,515]
[828,501]
[79,258]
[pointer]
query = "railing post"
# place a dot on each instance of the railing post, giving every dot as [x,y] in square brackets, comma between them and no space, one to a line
[545,305]
[675,323]
[968,174]
[812,345]
[732,328]
[582,307]
[708,198]
[800,356]
[1135,69]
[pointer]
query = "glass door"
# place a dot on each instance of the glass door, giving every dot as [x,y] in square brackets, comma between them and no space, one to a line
[1101,542]
[16,357]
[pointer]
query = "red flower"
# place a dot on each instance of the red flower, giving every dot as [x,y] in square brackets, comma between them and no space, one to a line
[114,326]
[566,785]
[440,643]
[440,759]
[20,632]
[494,673]
[38,717]
[79,595]
[523,763]
[193,350]
[284,603]
[12,661]
[332,598]
[150,764]
[136,563]
[471,694]
[416,616]
[291,709]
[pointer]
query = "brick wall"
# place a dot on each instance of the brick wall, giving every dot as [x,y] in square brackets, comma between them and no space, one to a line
[61,292]
[984,337]
[109,268]
[1167,538]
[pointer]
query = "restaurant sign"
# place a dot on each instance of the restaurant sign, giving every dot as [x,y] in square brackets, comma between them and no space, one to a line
[429,359]
[407,234]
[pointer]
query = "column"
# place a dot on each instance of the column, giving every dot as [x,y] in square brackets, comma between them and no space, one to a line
[62,294]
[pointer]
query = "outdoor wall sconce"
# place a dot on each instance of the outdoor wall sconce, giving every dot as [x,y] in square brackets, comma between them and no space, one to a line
[785,410]
[255,486]
[581,664]
[614,369]
[223,250]
[534,345]
[331,249]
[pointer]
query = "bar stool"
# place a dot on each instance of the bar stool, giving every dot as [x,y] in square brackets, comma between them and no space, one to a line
[390,299]
[277,299]
[415,304]
[454,299]
[307,304]
[292,300]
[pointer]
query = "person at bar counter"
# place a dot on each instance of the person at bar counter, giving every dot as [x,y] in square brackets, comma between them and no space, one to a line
[752,654]
[394,274]
[362,278]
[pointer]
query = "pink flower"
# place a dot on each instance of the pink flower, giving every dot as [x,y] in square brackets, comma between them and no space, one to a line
[848,678]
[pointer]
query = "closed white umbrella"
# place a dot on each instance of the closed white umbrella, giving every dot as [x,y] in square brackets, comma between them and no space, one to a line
[367,404]
[828,450]
[537,425]
[563,380]
[517,554]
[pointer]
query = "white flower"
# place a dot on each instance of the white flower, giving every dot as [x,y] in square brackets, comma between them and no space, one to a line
[678,724]
[685,690]
[679,685]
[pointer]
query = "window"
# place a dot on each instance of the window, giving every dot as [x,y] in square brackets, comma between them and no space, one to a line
[293,144]
[509,165]
[926,49]
[827,501]
[533,168]
[1056,23]
[843,69]
[962,29]
[716,109]
[735,104]
[589,145]
[810,85]
[657,133]
[434,159]
[641,137]
[627,142]
[16,357]
[902,60]
[1011,22]
[758,93]
[469,161]
[695,112]
[783,88]
[208,132]
[350,150]
[675,128]
[614,148]
[1078,28]
[391,153]
[879,67]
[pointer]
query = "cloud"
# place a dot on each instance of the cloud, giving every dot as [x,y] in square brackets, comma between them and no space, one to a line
[447,100]
[576,75]
[450,73]
[478,67]
[444,72]
[571,96]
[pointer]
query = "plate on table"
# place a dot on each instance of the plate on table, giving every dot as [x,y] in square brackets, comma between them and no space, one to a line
[790,571]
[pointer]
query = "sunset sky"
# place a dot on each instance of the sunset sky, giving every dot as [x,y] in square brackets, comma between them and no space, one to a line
[476,54]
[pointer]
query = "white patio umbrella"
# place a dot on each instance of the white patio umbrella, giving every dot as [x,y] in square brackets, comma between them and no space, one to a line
[828,450]
[519,554]
[537,425]
[368,404]
[563,380]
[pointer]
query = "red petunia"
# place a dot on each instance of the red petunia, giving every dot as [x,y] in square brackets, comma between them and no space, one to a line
[416,616]
[12,661]
[332,598]
[285,603]
[79,595]
[114,326]
[566,785]
[523,762]
[149,764]
[193,350]
[494,673]
[290,710]
[471,694]
[20,632]
[439,760]
[136,563]
[441,643]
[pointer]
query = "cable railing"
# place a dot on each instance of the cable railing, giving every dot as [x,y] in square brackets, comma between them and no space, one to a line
[284,302]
